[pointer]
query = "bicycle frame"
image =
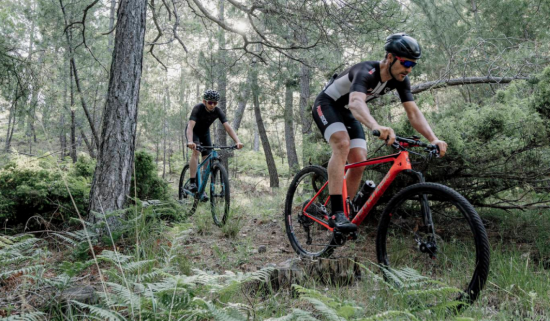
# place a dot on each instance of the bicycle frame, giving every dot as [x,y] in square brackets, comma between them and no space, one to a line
[201,181]
[401,162]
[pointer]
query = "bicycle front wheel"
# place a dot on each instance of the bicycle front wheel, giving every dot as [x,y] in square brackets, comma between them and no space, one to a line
[219,194]
[186,198]
[455,251]
[307,237]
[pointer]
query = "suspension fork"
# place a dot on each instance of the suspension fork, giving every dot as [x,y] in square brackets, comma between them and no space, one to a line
[424,205]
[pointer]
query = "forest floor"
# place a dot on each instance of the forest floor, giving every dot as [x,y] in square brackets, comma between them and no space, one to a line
[254,237]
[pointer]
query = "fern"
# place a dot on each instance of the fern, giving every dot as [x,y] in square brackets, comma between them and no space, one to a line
[390,314]
[329,313]
[5,241]
[110,256]
[25,270]
[123,294]
[103,314]
[32,316]
[296,314]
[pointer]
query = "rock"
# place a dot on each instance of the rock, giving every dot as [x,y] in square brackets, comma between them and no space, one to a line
[85,294]
[262,249]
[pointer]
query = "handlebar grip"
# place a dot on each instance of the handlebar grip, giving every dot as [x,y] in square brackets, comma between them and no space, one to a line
[376,133]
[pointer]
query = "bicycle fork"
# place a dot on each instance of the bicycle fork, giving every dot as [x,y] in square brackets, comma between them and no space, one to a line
[428,246]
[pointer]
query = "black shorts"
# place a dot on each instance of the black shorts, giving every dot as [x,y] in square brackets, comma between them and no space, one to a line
[203,139]
[331,118]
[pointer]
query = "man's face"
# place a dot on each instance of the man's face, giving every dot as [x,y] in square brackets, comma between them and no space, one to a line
[210,105]
[399,71]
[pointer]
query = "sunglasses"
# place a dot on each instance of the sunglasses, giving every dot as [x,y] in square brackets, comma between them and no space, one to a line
[214,103]
[406,63]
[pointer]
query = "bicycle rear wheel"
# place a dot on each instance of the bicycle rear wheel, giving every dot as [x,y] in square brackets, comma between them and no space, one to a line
[186,198]
[219,194]
[307,237]
[455,252]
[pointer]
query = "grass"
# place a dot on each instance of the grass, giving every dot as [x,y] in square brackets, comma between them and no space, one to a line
[518,286]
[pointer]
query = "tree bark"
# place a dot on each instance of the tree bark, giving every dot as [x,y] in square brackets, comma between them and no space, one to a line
[63,137]
[305,78]
[462,81]
[256,139]
[113,173]
[164,129]
[72,149]
[292,156]
[73,137]
[271,167]
[222,87]
[241,106]
[11,119]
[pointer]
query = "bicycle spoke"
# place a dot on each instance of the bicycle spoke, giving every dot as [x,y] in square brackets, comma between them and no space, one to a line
[307,236]
[449,253]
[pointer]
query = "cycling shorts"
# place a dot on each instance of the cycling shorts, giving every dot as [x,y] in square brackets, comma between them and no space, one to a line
[331,118]
[203,139]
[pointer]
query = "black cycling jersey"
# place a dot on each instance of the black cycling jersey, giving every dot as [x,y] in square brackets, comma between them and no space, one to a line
[330,110]
[365,77]
[204,118]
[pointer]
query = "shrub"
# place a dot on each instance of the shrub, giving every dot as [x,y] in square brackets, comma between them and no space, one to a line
[148,184]
[30,187]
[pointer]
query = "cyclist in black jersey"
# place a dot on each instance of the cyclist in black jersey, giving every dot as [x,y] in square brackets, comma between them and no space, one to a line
[198,130]
[341,108]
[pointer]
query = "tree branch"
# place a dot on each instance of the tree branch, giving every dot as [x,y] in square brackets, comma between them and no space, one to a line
[462,81]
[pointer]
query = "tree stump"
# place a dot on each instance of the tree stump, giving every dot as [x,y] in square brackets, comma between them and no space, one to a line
[340,271]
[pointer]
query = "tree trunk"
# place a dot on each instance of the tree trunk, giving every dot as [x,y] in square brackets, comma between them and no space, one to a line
[113,173]
[289,129]
[166,107]
[73,137]
[222,87]
[271,167]
[89,145]
[241,106]
[305,109]
[256,138]
[11,120]
[63,137]
[305,112]
[72,149]
[31,132]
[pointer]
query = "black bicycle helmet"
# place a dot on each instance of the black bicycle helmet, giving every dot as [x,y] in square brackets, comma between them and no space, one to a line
[211,95]
[403,45]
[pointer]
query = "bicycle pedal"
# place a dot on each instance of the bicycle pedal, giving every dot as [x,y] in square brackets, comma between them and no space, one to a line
[339,237]
[352,236]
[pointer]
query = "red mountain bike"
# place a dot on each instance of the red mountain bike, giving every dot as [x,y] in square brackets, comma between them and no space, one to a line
[425,226]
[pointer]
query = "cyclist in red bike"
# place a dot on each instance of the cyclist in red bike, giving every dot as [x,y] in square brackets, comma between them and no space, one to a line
[198,130]
[341,108]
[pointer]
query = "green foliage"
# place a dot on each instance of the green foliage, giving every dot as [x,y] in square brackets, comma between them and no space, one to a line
[29,187]
[148,184]
[84,166]
[541,101]
[498,149]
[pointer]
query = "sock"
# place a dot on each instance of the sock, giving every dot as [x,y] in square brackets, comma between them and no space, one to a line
[336,203]
[193,180]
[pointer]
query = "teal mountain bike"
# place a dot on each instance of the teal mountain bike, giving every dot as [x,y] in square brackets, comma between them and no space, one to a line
[219,197]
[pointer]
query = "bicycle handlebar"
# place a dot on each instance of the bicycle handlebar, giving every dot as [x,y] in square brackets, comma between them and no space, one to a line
[201,148]
[409,142]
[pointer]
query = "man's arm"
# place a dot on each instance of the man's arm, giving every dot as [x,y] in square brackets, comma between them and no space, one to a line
[232,134]
[419,122]
[189,134]
[360,111]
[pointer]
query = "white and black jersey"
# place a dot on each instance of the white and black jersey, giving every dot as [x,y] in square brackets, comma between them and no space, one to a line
[330,110]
